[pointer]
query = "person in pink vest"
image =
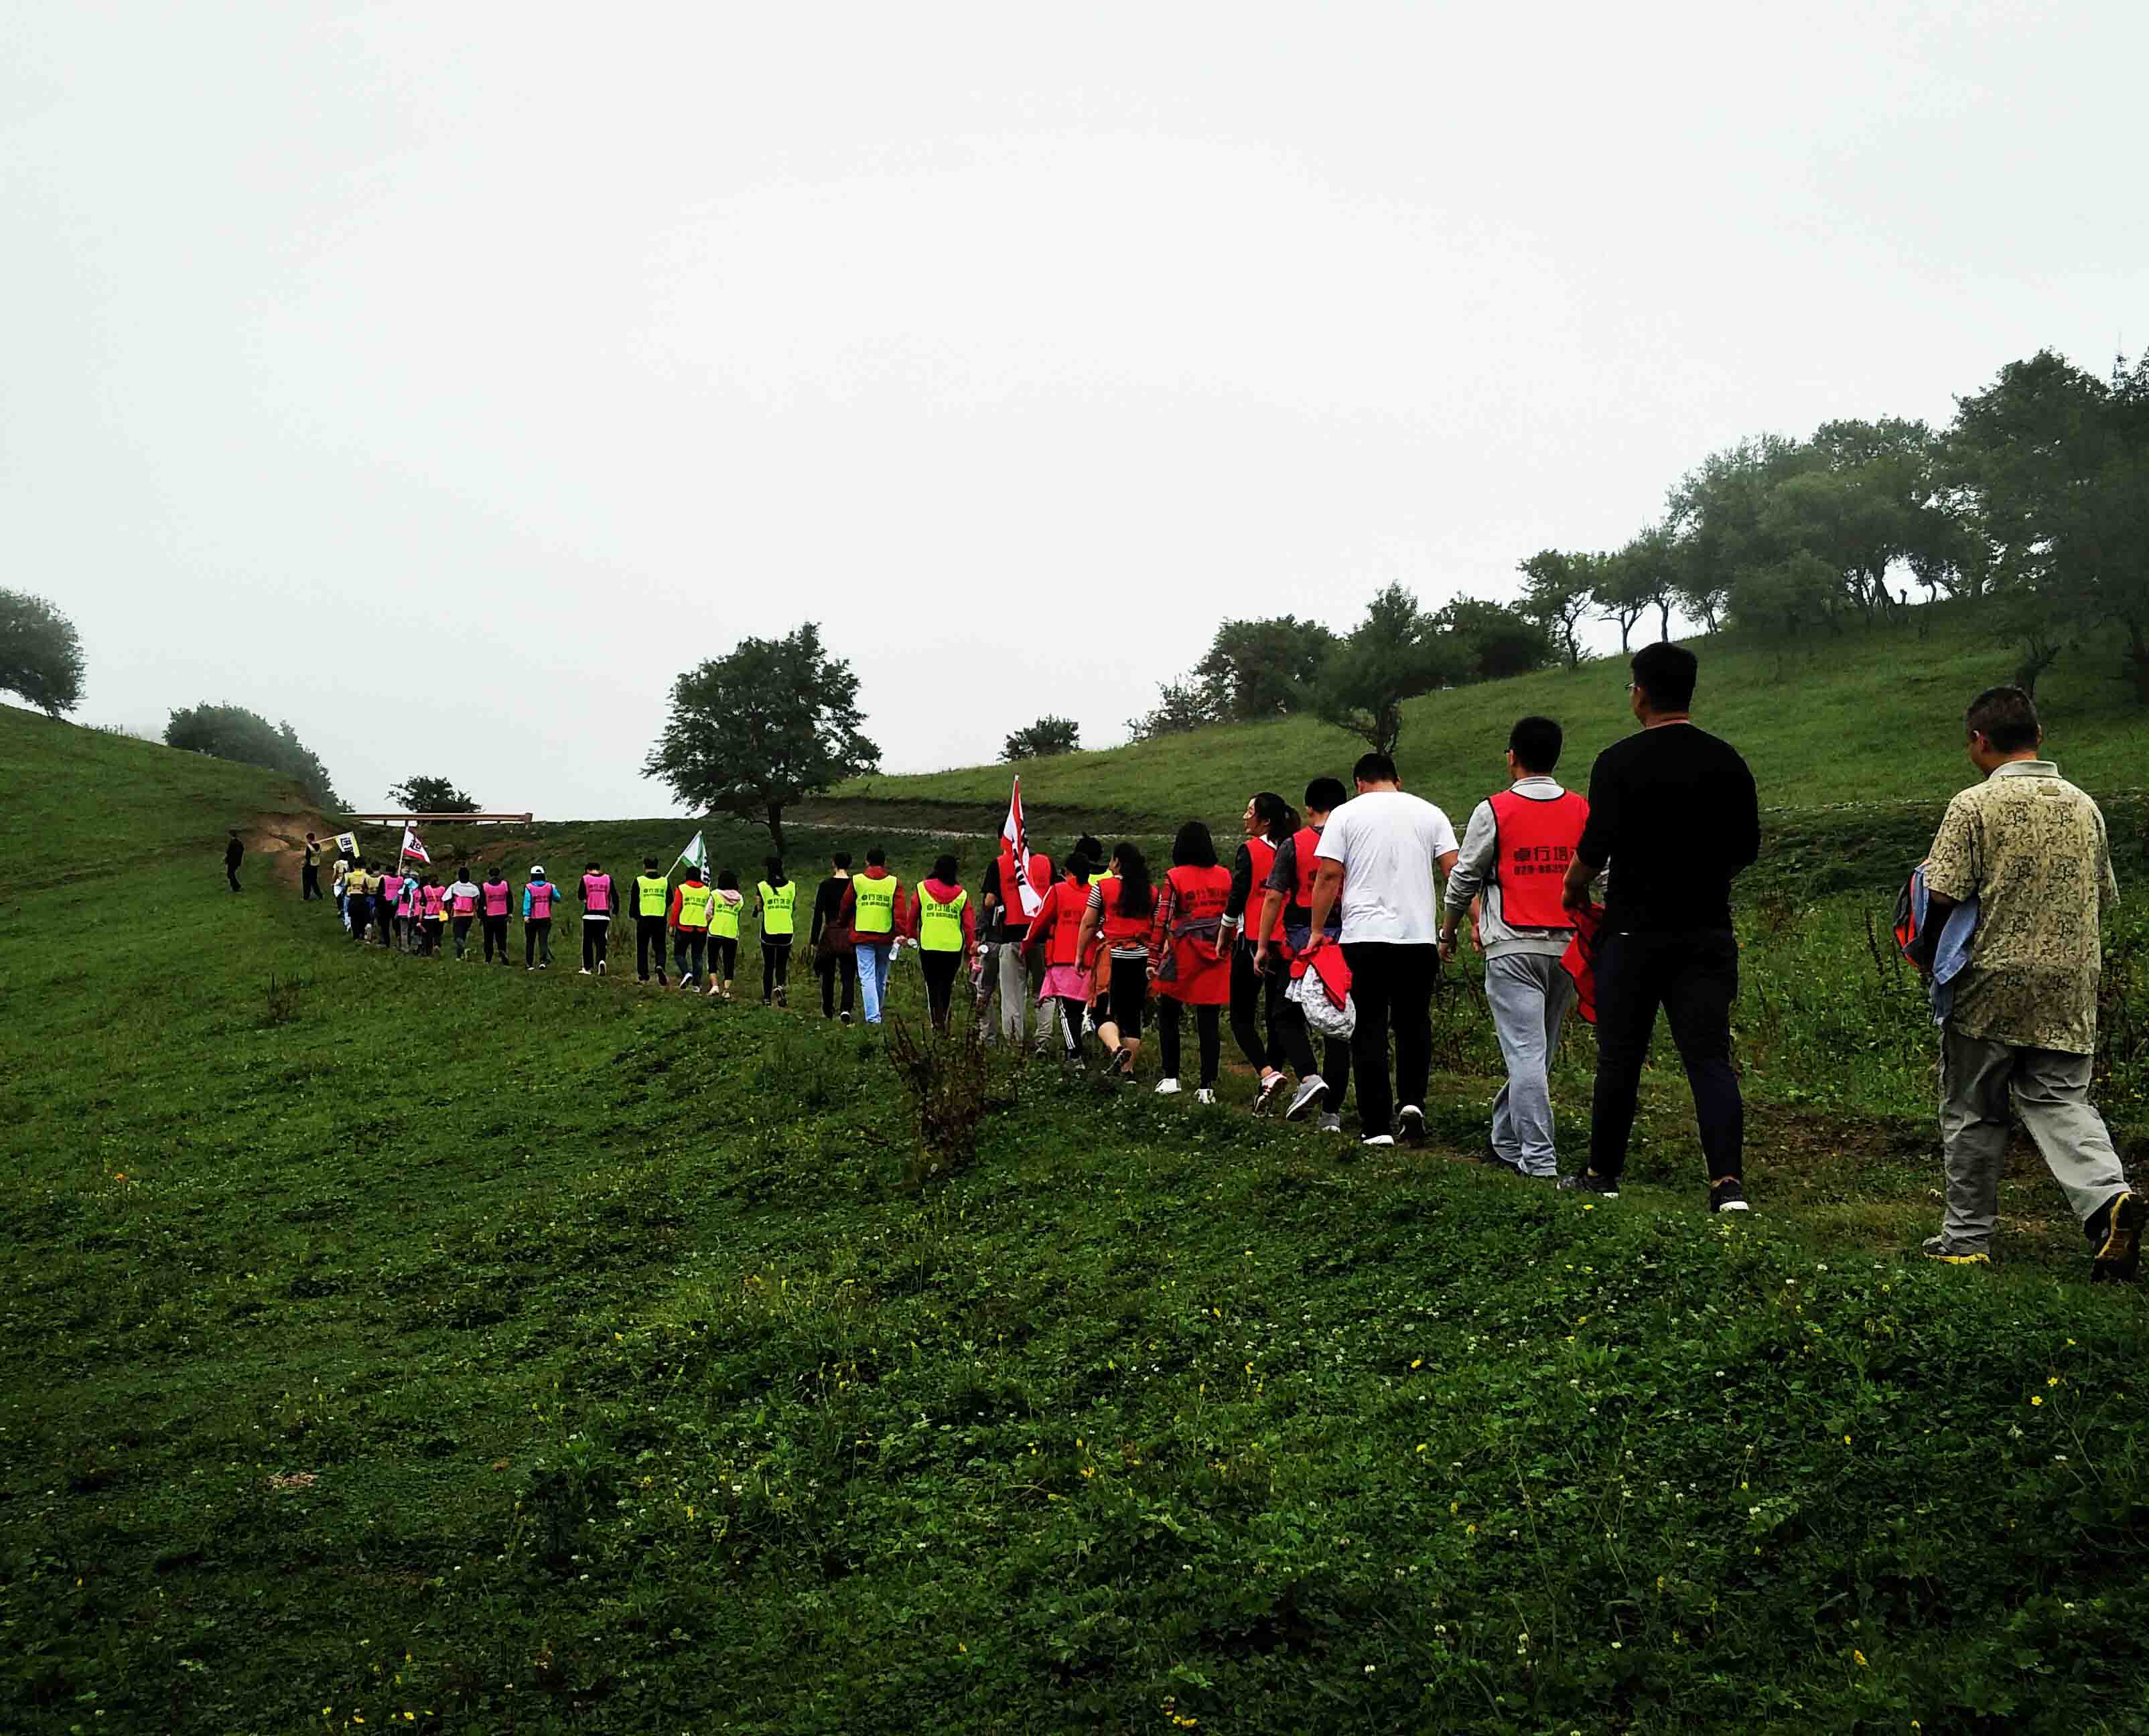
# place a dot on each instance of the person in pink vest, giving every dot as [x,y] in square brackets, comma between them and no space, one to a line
[596,919]
[385,898]
[495,898]
[433,915]
[537,920]
[462,906]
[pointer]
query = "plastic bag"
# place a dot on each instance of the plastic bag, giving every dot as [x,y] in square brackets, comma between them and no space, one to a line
[1322,1014]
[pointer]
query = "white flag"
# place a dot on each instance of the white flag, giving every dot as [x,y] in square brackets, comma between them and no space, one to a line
[1018,838]
[412,848]
[347,842]
[696,856]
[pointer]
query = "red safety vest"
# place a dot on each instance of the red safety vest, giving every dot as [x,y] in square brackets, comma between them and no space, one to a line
[1533,843]
[1201,892]
[1118,929]
[1062,916]
[1263,854]
[1010,888]
[1304,842]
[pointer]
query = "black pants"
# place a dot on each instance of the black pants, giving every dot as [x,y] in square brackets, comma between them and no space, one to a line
[383,920]
[310,882]
[689,947]
[496,934]
[432,925]
[1209,1031]
[1391,984]
[939,970]
[723,957]
[359,909]
[537,939]
[596,935]
[648,937]
[1253,990]
[1693,975]
[462,935]
[1335,1067]
[844,963]
[1068,1016]
[1128,995]
[231,873]
[775,964]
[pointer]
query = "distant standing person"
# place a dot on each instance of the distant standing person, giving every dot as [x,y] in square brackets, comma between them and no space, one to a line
[1289,912]
[537,895]
[652,899]
[310,870]
[1257,975]
[1378,856]
[357,902]
[689,918]
[724,934]
[432,915]
[1056,931]
[495,898]
[831,942]
[872,910]
[1119,910]
[1515,855]
[462,905]
[337,876]
[1189,963]
[1007,971]
[775,908]
[234,853]
[2020,1015]
[387,894]
[946,936]
[596,895]
[1673,810]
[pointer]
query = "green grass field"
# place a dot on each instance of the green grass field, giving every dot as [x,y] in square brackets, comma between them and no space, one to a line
[421,1344]
[1871,715]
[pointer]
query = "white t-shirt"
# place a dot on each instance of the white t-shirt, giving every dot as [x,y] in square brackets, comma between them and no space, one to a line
[1388,841]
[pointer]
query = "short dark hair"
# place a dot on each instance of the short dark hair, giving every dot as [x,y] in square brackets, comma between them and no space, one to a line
[841,860]
[1194,847]
[1536,741]
[1375,769]
[876,858]
[2005,717]
[1665,671]
[1326,794]
[944,868]
[727,880]
[1088,846]
[649,862]
[593,865]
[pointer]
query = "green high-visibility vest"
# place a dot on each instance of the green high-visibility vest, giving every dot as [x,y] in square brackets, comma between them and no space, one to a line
[694,902]
[651,896]
[875,900]
[777,903]
[940,926]
[723,918]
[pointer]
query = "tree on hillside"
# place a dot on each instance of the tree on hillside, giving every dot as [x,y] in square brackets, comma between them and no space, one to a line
[431,795]
[1395,653]
[1042,739]
[1264,668]
[1495,641]
[1187,703]
[231,732]
[1626,587]
[1557,595]
[771,723]
[1715,514]
[40,654]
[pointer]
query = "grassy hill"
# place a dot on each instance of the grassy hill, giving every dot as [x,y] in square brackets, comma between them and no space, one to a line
[396,1343]
[1871,715]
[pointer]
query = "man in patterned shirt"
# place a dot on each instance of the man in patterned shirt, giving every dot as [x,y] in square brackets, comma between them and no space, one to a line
[2032,849]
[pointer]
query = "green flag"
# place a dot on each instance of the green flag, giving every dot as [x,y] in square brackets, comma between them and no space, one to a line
[696,856]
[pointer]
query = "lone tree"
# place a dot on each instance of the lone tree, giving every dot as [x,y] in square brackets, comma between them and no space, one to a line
[1264,668]
[773,721]
[231,732]
[40,657]
[1557,594]
[431,795]
[1042,739]
[1396,653]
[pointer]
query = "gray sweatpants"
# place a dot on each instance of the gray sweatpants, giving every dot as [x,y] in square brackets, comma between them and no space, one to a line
[1530,994]
[2051,1091]
[1008,976]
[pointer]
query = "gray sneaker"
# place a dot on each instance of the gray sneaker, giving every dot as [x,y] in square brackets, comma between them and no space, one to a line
[1330,1122]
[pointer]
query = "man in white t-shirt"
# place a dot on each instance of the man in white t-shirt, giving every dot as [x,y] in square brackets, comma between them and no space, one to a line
[1379,854]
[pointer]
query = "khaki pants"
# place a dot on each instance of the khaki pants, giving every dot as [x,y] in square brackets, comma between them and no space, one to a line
[2050,1093]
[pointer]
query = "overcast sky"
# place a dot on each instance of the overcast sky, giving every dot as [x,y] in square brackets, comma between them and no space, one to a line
[446,379]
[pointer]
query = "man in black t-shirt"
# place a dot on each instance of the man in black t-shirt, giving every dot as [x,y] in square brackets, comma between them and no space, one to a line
[1673,811]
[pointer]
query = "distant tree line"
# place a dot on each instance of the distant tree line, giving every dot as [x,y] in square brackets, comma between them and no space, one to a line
[231,732]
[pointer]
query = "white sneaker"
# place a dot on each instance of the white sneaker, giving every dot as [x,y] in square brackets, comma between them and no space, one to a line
[1205,1095]
[1308,1094]
[602,963]
[1410,1122]
[586,970]
[1167,1088]
[1271,1087]
[1378,1138]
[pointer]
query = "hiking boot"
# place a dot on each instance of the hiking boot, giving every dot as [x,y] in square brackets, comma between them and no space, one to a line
[1308,1094]
[1271,1087]
[1948,1253]
[1167,1088]
[1410,1124]
[1589,1181]
[1205,1095]
[2119,1253]
[1728,1196]
[1330,1122]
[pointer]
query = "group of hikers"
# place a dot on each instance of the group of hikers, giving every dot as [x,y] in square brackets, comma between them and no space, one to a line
[1320,943]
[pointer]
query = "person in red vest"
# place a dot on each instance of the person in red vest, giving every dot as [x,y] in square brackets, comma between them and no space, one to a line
[1514,861]
[1268,821]
[1006,972]
[1118,914]
[1056,930]
[1288,914]
[1188,960]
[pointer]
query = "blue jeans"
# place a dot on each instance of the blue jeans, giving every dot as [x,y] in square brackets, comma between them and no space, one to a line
[872,975]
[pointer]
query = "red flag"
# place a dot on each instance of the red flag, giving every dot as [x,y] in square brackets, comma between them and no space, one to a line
[413,849]
[1579,961]
[1018,838]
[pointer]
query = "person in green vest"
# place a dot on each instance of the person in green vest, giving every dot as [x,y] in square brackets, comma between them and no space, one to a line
[653,897]
[947,937]
[723,933]
[776,906]
[693,902]
[874,905]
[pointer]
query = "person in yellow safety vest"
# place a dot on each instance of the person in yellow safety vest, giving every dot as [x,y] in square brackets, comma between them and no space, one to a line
[775,904]
[652,895]
[692,901]
[947,937]
[723,933]
[873,908]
